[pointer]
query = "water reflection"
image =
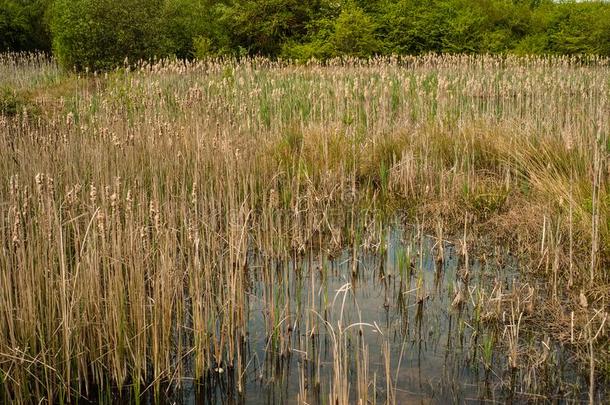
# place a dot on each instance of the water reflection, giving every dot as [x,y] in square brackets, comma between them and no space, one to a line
[396,324]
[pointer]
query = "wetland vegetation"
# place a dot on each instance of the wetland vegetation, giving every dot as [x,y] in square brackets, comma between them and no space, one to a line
[392,230]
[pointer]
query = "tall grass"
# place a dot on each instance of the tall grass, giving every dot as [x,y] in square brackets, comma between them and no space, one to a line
[133,204]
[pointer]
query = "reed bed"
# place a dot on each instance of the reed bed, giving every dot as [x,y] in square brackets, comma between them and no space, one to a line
[135,203]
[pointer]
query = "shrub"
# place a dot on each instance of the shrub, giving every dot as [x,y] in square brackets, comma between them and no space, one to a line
[192,28]
[13,103]
[100,34]
[14,28]
[355,33]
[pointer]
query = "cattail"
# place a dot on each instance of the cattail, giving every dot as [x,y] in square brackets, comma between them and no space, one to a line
[129,201]
[93,195]
[114,202]
[39,178]
[106,193]
[143,236]
[273,199]
[50,186]
[15,233]
[155,215]
[25,202]
[14,187]
[71,197]
[70,119]
[116,141]
[194,194]
[101,223]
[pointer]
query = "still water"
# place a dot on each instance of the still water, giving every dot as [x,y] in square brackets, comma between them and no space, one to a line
[395,323]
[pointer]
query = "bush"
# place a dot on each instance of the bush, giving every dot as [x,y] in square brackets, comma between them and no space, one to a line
[413,27]
[316,49]
[189,26]
[577,28]
[100,34]
[14,27]
[316,44]
[13,103]
[351,33]
[23,25]
[355,34]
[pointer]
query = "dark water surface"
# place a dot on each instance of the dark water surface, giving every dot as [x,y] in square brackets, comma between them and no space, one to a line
[400,297]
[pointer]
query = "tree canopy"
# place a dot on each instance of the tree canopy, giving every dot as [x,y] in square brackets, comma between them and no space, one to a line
[100,34]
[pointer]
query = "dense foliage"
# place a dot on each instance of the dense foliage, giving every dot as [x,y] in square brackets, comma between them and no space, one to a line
[24,25]
[102,33]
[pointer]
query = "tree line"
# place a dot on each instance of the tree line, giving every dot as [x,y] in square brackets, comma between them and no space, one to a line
[100,34]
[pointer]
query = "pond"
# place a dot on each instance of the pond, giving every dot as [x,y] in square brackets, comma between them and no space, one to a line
[406,321]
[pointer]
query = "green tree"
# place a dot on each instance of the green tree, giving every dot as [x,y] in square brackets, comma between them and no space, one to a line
[576,28]
[413,27]
[14,26]
[465,26]
[191,27]
[24,25]
[100,34]
[262,26]
[354,33]
[506,24]
[38,12]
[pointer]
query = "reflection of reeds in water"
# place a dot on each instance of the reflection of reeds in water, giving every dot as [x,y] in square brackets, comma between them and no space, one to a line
[133,203]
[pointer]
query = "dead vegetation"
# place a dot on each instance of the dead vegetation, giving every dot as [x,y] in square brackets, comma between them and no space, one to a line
[130,208]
